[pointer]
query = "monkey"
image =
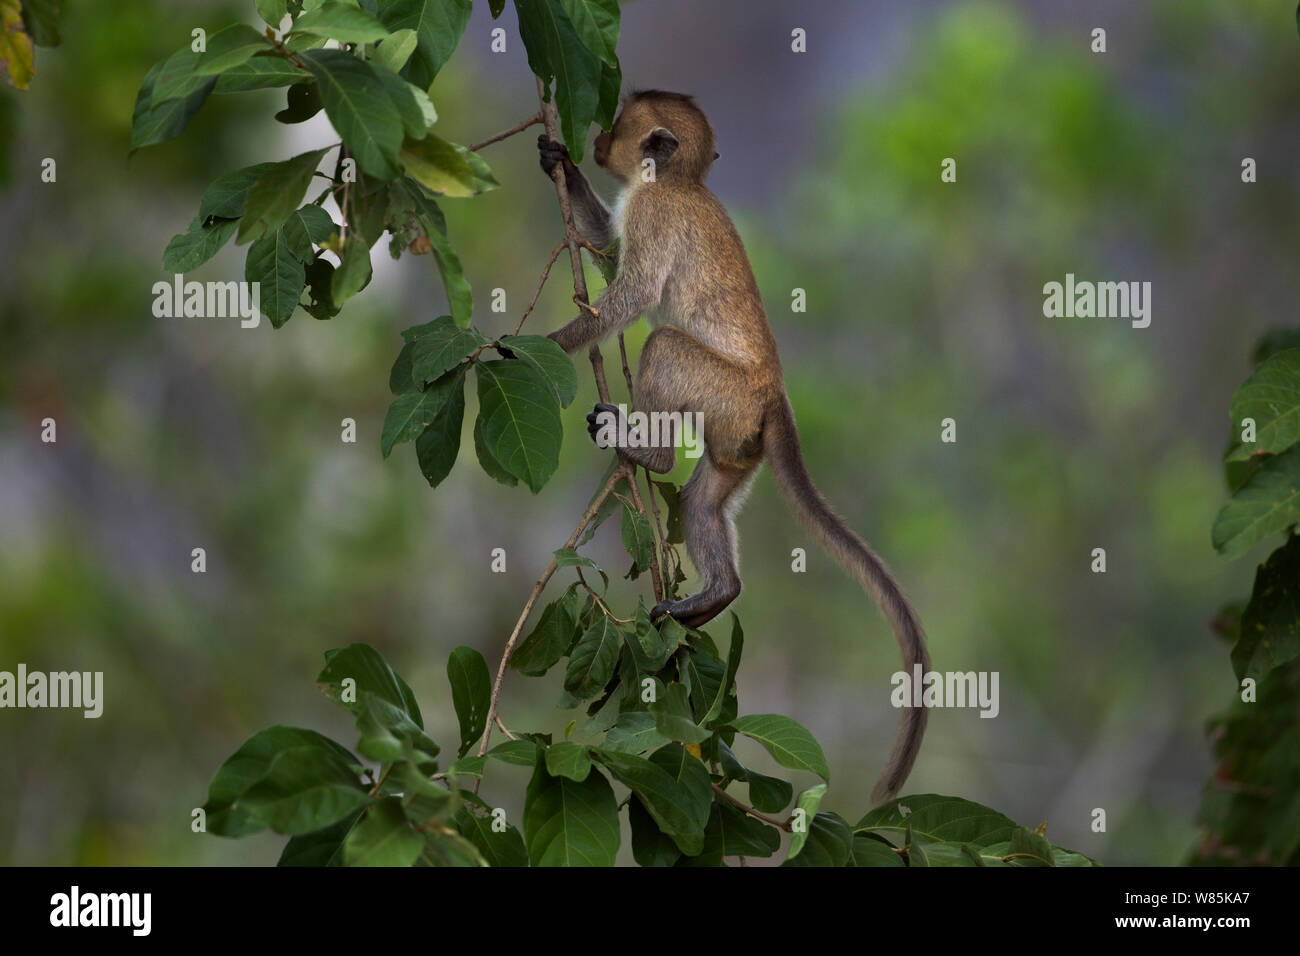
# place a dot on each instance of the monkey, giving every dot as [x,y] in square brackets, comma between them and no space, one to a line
[681,262]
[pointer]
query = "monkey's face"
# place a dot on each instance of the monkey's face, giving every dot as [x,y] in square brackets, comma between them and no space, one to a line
[663,132]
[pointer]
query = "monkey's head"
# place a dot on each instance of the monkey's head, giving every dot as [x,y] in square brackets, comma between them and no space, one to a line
[665,127]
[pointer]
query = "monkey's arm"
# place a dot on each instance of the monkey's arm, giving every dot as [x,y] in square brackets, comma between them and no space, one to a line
[642,271]
[590,214]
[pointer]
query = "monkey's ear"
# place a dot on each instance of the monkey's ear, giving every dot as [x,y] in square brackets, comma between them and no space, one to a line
[659,144]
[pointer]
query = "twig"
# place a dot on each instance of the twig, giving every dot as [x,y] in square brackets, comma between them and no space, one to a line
[555,254]
[656,575]
[771,821]
[517,128]
[618,475]
[604,608]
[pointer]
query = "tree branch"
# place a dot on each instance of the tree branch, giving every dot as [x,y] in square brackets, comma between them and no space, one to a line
[518,128]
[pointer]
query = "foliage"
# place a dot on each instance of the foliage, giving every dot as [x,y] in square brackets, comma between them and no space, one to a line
[1249,810]
[394,805]
[25,25]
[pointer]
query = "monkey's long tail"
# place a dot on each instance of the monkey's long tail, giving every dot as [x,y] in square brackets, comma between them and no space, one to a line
[781,449]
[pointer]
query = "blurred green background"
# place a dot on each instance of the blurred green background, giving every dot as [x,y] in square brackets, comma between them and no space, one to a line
[924,302]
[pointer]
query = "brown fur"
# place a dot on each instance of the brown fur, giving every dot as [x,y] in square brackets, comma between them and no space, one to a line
[681,259]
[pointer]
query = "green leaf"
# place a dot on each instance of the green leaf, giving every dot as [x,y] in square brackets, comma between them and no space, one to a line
[634,733]
[471,694]
[344,22]
[648,649]
[309,226]
[521,420]
[152,124]
[394,51]
[938,818]
[766,794]
[650,845]
[357,103]
[191,249]
[276,195]
[304,789]
[549,641]
[410,102]
[412,411]
[673,719]
[250,764]
[321,847]
[320,285]
[440,347]
[384,837]
[568,759]
[438,25]
[226,196]
[504,848]
[789,743]
[570,823]
[438,166]
[568,558]
[679,806]
[808,802]
[439,444]
[1270,626]
[672,497]
[1267,503]
[229,48]
[280,275]
[399,377]
[520,753]
[829,843]
[593,659]
[717,706]
[494,468]
[1271,396]
[303,101]
[260,73]
[273,12]
[555,52]
[354,271]
[742,835]
[176,77]
[549,359]
[638,539]
[388,734]
[356,668]
[868,851]
[596,23]
[484,181]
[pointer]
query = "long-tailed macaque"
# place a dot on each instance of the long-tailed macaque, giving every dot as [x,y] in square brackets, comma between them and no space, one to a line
[681,261]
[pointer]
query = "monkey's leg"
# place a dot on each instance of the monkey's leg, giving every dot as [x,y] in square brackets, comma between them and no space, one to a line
[708,501]
[678,376]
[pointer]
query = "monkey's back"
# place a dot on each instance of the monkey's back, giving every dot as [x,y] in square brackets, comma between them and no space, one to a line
[710,290]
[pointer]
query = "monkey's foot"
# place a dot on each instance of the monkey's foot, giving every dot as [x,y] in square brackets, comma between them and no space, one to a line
[603,416]
[698,609]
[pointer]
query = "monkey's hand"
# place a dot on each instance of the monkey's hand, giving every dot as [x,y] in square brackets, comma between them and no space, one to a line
[551,153]
[603,423]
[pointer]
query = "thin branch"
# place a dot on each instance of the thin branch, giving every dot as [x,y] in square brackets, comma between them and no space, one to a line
[615,477]
[555,254]
[770,821]
[517,128]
